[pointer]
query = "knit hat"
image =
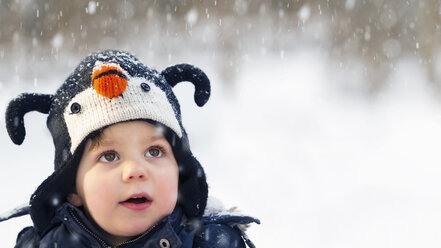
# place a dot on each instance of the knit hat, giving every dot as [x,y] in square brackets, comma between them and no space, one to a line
[110,87]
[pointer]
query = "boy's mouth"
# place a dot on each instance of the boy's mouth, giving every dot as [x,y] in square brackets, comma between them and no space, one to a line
[137,202]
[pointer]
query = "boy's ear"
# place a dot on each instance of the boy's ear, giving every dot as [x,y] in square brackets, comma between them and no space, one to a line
[74,199]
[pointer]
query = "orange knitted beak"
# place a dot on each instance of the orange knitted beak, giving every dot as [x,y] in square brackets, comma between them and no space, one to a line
[109,80]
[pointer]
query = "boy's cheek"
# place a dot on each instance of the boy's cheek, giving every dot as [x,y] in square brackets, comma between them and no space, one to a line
[97,188]
[170,194]
[91,187]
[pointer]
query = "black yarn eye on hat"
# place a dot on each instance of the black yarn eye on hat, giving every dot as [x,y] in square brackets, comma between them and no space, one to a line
[109,87]
[75,108]
[145,87]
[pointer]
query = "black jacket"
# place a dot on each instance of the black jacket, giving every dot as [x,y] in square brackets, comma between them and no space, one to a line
[70,228]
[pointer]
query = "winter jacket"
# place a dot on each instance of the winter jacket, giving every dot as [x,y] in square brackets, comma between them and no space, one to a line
[70,228]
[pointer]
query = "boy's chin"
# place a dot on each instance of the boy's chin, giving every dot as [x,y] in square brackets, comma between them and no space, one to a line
[121,236]
[124,231]
[135,229]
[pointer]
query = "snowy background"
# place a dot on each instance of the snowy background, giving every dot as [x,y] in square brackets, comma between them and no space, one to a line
[324,120]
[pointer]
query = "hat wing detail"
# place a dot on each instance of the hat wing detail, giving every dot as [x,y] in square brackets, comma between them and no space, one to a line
[185,72]
[21,105]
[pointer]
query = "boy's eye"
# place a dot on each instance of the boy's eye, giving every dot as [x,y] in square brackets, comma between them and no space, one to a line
[108,157]
[154,152]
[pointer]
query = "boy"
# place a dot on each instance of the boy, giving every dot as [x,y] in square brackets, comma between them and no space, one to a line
[124,172]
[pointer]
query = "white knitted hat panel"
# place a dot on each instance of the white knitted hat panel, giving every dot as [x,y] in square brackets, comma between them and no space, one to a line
[135,103]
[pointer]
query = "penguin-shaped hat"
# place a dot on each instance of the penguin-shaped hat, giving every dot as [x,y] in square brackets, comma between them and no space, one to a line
[110,87]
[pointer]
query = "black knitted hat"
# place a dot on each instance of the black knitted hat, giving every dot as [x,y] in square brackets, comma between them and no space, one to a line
[109,87]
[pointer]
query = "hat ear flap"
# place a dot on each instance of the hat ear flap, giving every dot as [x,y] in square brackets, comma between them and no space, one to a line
[193,188]
[18,107]
[185,72]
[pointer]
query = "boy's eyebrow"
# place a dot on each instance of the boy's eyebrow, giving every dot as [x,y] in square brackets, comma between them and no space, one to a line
[155,137]
[158,135]
[104,142]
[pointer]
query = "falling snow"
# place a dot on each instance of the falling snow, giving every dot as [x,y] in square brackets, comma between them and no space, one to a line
[57,41]
[324,119]
[192,17]
[91,9]
[304,13]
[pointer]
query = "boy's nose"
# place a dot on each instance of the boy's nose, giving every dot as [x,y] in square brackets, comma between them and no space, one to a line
[109,80]
[134,171]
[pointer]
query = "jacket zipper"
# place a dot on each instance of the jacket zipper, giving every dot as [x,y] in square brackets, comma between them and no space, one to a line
[138,238]
[87,230]
[102,241]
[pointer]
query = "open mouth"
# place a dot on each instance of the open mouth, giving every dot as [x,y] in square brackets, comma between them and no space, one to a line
[137,202]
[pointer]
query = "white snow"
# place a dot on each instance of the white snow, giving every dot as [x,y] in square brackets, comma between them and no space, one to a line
[192,17]
[13,211]
[91,8]
[304,13]
[319,167]
[57,41]
[350,4]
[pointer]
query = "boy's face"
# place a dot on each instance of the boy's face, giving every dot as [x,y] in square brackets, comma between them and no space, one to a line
[128,181]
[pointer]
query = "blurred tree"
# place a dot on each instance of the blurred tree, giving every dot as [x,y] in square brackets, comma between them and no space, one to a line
[373,33]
